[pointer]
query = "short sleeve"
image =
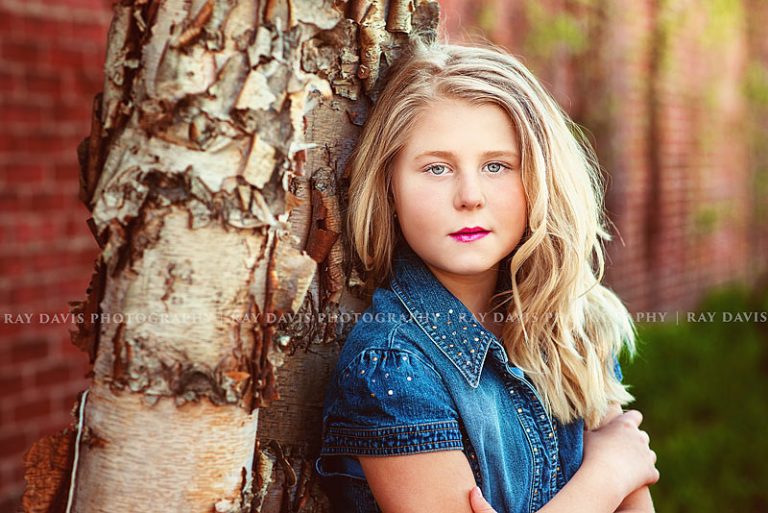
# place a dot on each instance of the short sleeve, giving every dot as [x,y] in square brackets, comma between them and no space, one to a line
[390,402]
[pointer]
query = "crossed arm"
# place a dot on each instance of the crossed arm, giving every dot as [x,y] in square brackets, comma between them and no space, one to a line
[442,481]
[638,501]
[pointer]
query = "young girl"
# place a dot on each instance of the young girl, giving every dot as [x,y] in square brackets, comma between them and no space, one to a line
[488,354]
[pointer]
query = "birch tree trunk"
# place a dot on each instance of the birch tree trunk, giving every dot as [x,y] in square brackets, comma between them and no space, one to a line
[213,172]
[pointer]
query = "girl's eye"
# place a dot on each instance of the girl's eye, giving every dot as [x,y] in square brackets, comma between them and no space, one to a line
[435,166]
[440,169]
[499,167]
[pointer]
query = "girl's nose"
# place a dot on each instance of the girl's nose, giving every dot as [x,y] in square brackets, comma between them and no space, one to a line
[469,191]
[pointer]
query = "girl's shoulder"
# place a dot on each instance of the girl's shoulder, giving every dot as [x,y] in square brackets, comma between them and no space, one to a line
[386,323]
[386,397]
[385,331]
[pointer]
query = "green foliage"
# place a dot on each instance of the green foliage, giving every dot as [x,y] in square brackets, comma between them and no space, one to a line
[725,19]
[672,17]
[756,84]
[487,17]
[553,30]
[702,390]
[756,92]
[705,219]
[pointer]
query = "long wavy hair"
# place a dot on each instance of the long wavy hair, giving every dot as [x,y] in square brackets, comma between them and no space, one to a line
[570,325]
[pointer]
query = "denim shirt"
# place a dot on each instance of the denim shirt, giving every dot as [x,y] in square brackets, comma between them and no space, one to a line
[419,373]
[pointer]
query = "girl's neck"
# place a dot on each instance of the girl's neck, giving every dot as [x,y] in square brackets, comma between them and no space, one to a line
[475,293]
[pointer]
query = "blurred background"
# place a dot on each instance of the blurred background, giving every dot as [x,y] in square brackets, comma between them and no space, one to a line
[673,94]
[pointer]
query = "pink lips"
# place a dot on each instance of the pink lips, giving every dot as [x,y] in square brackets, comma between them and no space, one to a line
[470,234]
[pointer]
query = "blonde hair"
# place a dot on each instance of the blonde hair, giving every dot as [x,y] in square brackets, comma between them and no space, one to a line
[555,272]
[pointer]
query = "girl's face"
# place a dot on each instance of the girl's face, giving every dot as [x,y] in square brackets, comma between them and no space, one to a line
[460,168]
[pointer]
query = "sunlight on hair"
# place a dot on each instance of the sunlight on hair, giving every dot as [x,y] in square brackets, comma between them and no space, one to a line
[567,326]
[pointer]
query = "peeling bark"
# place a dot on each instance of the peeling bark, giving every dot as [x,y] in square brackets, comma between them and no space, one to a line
[212,172]
[47,466]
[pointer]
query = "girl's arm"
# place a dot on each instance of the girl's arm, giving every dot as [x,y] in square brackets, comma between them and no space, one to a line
[583,493]
[429,481]
[615,472]
[616,461]
[640,500]
[441,481]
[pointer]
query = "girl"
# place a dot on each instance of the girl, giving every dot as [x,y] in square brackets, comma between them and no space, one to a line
[488,354]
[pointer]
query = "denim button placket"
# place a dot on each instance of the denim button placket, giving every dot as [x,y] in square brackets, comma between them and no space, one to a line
[547,428]
[469,451]
[525,420]
[544,460]
[465,343]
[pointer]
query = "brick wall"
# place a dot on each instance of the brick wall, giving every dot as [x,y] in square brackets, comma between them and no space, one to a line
[662,95]
[51,54]
[697,236]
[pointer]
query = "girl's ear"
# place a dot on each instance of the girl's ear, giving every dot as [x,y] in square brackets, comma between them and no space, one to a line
[391,197]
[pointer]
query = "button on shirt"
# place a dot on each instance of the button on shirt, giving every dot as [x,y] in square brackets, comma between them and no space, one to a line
[419,373]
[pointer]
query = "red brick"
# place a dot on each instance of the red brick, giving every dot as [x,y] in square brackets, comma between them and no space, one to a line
[52,374]
[50,229]
[41,262]
[12,445]
[6,421]
[48,83]
[78,226]
[16,474]
[26,174]
[70,350]
[33,409]
[8,331]
[85,84]
[51,29]
[9,200]
[67,404]
[11,265]
[95,33]
[78,113]
[7,25]
[47,142]
[26,231]
[20,51]
[56,423]
[11,382]
[73,289]
[68,171]
[43,202]
[20,113]
[9,82]
[29,349]
[11,500]
[83,372]
[60,260]
[67,56]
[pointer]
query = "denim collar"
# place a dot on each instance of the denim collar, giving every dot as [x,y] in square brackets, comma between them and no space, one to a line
[441,315]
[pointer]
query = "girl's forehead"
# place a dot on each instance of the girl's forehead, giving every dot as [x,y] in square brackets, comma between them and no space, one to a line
[461,124]
[447,111]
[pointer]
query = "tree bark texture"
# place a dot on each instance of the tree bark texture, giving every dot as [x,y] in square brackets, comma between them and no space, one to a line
[214,175]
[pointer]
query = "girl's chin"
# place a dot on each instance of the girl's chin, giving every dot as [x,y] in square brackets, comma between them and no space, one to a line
[466,267]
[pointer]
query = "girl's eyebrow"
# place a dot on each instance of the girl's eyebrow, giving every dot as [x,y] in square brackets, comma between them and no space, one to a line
[450,154]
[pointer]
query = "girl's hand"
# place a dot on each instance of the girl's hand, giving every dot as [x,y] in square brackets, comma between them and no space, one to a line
[478,502]
[618,452]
